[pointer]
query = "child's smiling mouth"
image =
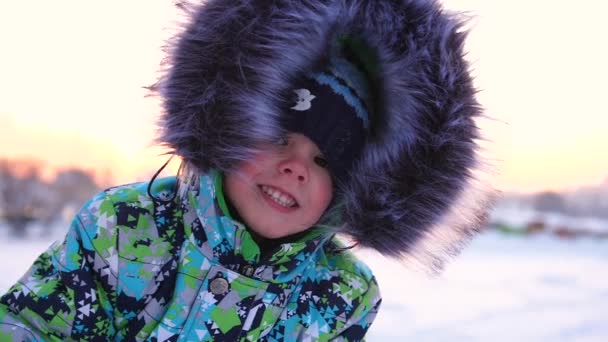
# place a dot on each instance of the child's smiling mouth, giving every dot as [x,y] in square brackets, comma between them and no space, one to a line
[278,198]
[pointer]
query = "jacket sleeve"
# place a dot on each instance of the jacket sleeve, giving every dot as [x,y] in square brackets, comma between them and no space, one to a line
[69,291]
[363,316]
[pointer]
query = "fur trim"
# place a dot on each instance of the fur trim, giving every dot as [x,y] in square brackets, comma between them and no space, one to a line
[415,192]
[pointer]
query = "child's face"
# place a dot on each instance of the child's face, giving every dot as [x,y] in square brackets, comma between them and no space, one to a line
[284,189]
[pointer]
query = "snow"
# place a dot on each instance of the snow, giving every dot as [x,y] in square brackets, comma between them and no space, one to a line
[502,288]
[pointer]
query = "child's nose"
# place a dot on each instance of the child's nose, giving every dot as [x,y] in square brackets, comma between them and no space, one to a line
[296,169]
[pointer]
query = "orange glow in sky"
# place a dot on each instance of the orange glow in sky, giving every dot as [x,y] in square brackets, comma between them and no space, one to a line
[72,75]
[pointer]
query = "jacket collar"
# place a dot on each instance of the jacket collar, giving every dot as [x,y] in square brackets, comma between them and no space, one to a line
[211,231]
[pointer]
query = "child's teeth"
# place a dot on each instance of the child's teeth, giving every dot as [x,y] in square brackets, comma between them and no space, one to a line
[281,199]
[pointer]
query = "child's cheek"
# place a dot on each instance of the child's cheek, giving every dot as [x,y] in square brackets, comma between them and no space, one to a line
[250,168]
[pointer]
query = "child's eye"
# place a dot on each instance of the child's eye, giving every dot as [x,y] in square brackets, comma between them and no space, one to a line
[282,141]
[321,161]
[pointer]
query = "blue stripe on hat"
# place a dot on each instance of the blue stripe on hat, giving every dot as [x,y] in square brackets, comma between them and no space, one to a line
[348,73]
[346,93]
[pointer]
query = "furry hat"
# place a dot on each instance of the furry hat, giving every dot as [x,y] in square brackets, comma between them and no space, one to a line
[415,193]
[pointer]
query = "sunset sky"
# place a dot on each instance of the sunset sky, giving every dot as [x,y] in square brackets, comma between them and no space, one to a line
[72,75]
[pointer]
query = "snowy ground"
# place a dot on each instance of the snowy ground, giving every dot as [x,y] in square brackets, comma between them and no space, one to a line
[503,288]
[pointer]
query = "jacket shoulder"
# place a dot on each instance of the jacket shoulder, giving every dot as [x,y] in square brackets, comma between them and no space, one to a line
[343,289]
[102,211]
[342,272]
[129,200]
[337,259]
[128,211]
[136,194]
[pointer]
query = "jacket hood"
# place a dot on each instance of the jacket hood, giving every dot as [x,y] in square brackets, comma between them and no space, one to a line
[416,193]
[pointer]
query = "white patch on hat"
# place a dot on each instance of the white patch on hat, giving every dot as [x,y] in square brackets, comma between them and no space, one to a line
[304,99]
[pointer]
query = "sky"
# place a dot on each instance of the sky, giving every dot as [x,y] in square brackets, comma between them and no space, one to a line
[72,75]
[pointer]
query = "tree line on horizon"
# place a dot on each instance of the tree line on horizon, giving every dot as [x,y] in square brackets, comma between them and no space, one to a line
[26,196]
[590,202]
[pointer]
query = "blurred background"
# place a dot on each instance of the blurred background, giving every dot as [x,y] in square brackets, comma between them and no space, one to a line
[74,119]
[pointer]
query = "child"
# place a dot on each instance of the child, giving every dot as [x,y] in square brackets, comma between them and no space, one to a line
[295,121]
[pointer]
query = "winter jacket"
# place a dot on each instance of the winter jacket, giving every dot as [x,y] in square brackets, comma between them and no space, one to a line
[135,268]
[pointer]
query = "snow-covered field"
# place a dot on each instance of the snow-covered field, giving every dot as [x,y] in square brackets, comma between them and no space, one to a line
[502,288]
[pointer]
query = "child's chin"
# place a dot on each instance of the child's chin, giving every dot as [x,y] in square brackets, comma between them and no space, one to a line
[275,232]
[270,234]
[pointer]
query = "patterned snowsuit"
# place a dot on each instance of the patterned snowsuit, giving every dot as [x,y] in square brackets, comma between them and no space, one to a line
[153,269]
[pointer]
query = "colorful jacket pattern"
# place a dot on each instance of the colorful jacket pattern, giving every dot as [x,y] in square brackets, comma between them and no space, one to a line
[136,268]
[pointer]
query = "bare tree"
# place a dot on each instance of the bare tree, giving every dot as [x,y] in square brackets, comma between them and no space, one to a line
[549,202]
[20,197]
[25,197]
[72,187]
